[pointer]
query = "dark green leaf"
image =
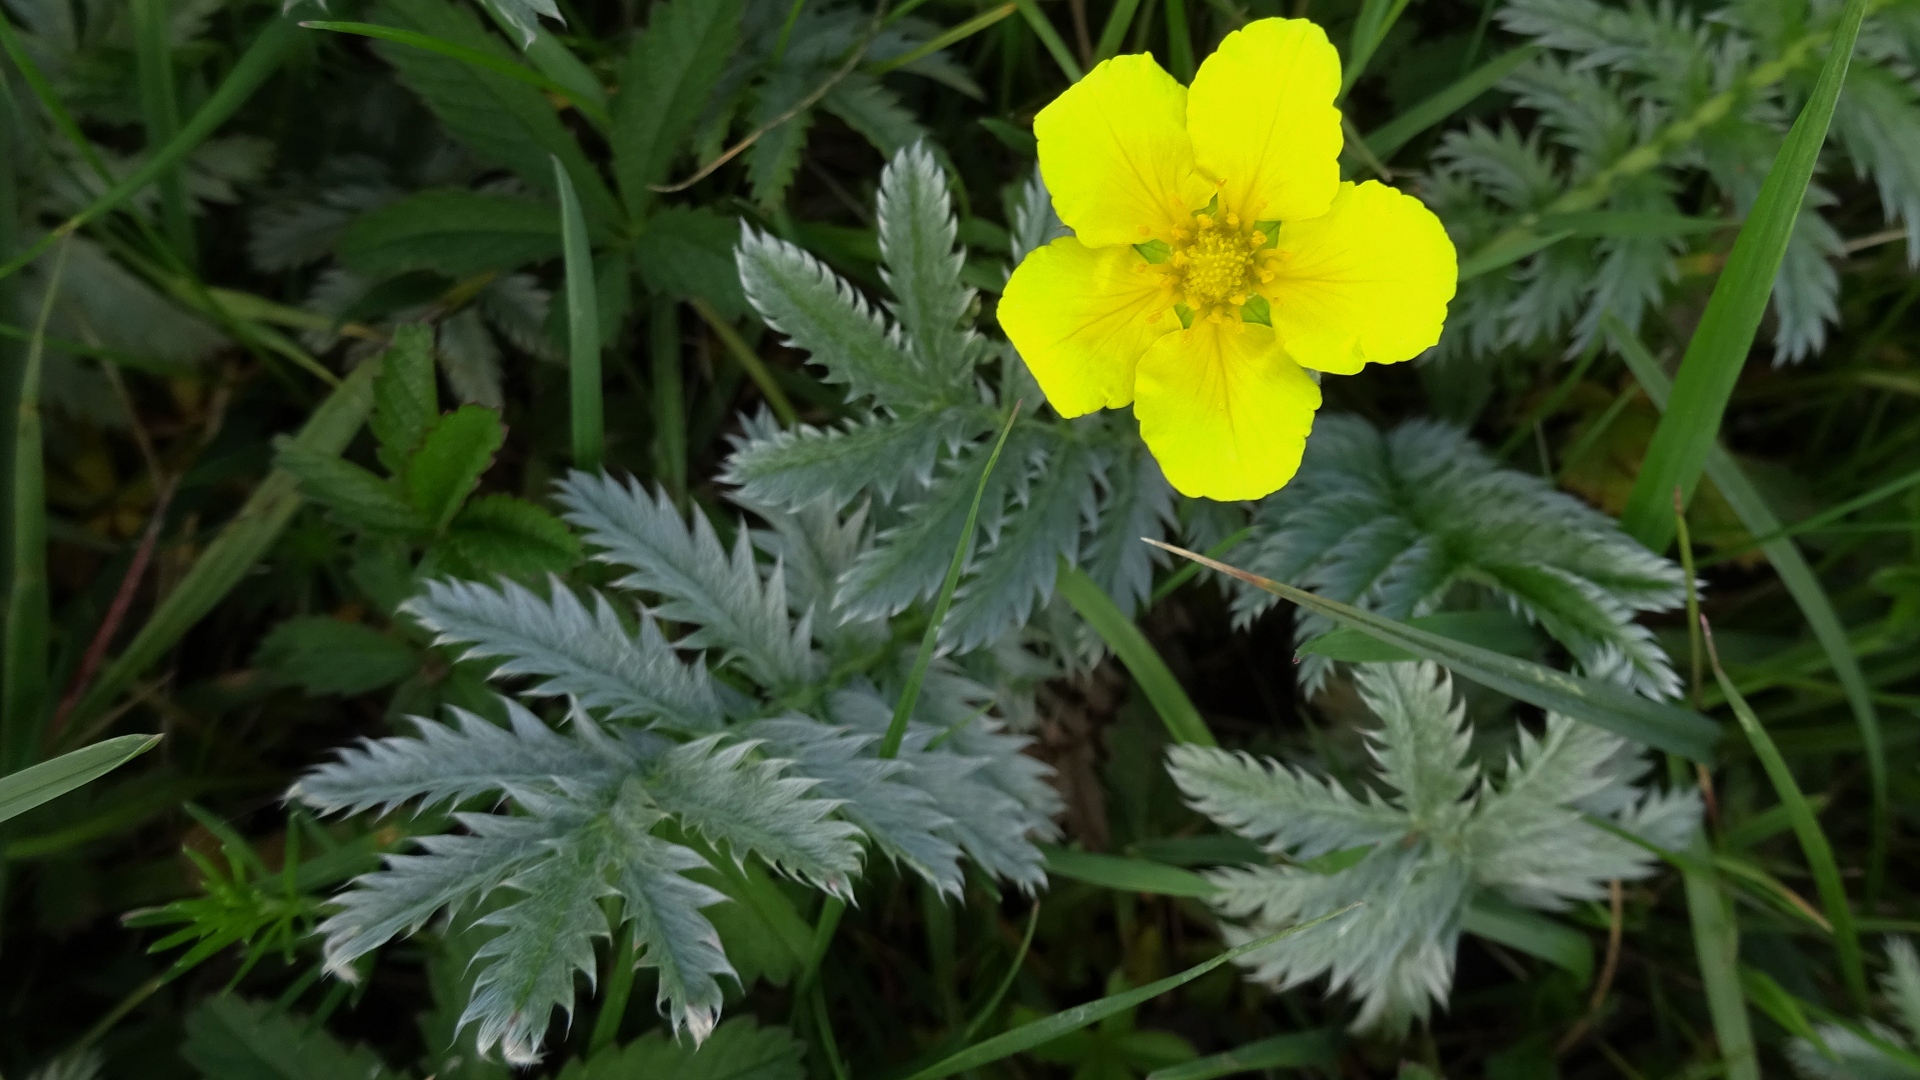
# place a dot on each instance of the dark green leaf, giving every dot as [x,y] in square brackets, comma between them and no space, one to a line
[501,119]
[405,400]
[457,450]
[324,655]
[454,233]
[356,495]
[229,1038]
[688,254]
[499,534]
[739,1049]
[666,81]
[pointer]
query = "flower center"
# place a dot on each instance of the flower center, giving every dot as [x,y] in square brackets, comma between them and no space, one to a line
[1212,267]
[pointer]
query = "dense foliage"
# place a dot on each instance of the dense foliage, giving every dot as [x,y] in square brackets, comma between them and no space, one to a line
[613,603]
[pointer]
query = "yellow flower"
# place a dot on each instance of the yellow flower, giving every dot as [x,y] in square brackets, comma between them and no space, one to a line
[1215,254]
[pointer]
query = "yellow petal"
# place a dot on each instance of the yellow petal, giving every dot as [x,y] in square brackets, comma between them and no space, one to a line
[1366,282]
[1079,316]
[1115,155]
[1263,123]
[1224,411]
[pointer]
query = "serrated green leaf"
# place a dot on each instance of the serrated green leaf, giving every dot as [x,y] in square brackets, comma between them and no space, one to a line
[405,400]
[454,233]
[356,495]
[22,791]
[324,655]
[456,451]
[230,1038]
[664,84]
[499,118]
[499,534]
[739,1049]
[688,253]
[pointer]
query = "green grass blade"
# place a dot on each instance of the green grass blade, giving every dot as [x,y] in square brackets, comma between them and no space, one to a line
[1490,917]
[949,37]
[1179,41]
[1050,37]
[239,545]
[160,110]
[1369,30]
[1801,583]
[1176,710]
[1603,704]
[1123,874]
[1298,1050]
[1495,256]
[49,98]
[22,791]
[1047,1029]
[520,72]
[583,327]
[261,59]
[24,701]
[1716,943]
[749,361]
[1718,350]
[910,693]
[1115,29]
[1813,840]
[669,398]
[1388,138]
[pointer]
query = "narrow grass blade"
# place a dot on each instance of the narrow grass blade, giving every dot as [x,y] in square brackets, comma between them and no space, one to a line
[1716,943]
[949,37]
[1299,1050]
[240,544]
[160,109]
[1115,29]
[749,361]
[669,398]
[24,699]
[1725,334]
[1028,1036]
[261,59]
[1388,138]
[49,98]
[1179,41]
[1801,583]
[583,327]
[1369,30]
[1176,710]
[910,693]
[1494,257]
[1532,933]
[1188,571]
[22,791]
[1603,704]
[1123,874]
[1042,29]
[519,72]
[1813,840]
